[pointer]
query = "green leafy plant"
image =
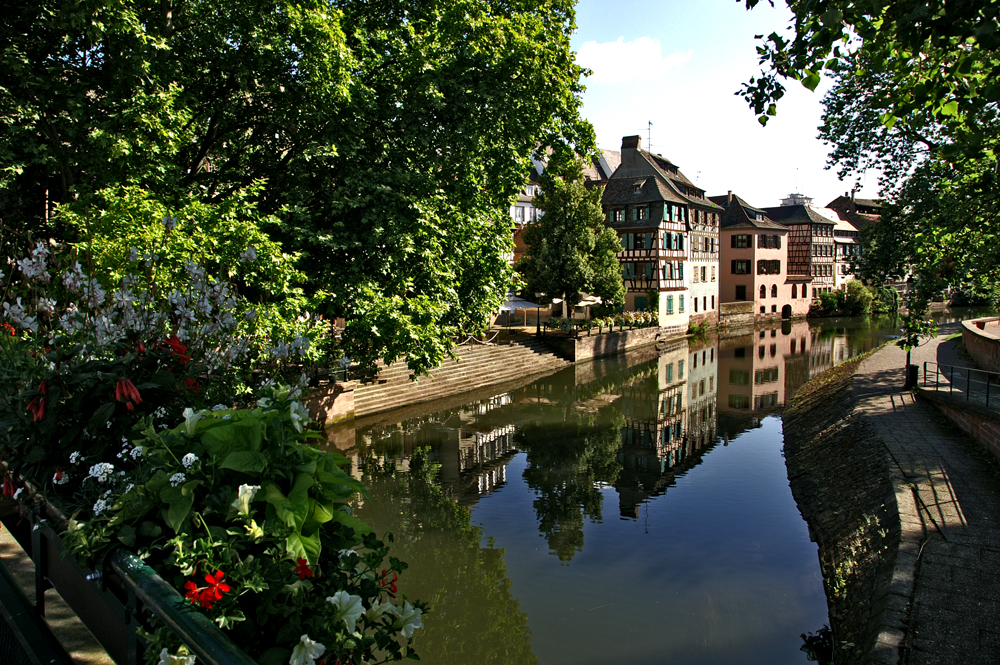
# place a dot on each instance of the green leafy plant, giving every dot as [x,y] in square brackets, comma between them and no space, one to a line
[235,507]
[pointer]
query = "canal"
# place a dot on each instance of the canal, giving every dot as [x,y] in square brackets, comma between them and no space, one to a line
[630,510]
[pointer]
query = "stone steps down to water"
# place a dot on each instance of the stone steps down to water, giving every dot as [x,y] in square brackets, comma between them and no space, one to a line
[476,367]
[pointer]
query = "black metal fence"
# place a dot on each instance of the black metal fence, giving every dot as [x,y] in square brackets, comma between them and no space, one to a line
[976,385]
[113,600]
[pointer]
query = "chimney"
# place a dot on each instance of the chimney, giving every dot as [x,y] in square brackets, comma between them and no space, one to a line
[730,196]
[631,145]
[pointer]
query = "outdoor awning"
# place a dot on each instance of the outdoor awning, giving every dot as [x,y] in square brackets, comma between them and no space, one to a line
[514,303]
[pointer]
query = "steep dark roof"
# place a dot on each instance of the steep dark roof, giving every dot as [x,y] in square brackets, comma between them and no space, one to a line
[797,214]
[621,191]
[677,181]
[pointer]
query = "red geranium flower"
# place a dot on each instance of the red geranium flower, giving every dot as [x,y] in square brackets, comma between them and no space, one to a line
[192,385]
[389,585]
[216,586]
[207,596]
[302,569]
[10,329]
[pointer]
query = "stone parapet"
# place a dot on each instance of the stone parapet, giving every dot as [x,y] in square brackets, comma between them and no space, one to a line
[736,314]
[981,338]
[332,403]
[587,347]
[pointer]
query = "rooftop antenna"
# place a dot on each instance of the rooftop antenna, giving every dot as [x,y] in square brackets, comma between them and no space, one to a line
[697,177]
[649,134]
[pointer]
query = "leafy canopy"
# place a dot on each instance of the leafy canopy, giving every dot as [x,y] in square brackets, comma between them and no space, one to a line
[939,59]
[390,137]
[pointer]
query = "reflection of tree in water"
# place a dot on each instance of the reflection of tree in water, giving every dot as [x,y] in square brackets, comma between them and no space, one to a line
[565,460]
[474,618]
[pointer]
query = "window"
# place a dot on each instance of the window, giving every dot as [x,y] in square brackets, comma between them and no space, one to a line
[763,293]
[765,401]
[763,309]
[704,302]
[768,267]
[639,214]
[680,304]
[774,308]
[760,352]
[769,375]
[519,214]
[740,241]
[680,275]
[713,276]
[534,214]
[703,271]
[694,276]
[696,310]
[769,241]
[637,187]
[680,241]
[670,372]
[739,401]
[774,290]
[670,304]
[741,267]
[795,290]
[617,215]
[713,304]
[741,292]
[680,374]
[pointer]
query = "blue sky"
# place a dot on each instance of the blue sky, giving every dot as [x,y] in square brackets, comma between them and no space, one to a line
[678,64]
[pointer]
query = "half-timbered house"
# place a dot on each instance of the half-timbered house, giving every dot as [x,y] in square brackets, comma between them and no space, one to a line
[657,212]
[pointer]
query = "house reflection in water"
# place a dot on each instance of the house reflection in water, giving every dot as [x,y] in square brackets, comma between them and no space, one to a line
[670,420]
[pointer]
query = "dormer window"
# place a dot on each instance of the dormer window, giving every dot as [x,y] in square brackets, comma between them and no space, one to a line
[636,188]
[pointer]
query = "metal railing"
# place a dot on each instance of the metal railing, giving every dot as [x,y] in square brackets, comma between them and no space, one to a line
[978,385]
[111,600]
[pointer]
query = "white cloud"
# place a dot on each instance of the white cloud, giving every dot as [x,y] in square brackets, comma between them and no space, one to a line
[620,61]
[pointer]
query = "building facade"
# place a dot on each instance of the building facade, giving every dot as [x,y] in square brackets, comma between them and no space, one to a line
[811,246]
[754,263]
[657,212]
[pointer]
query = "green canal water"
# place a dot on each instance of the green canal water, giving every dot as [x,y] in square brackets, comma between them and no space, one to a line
[632,510]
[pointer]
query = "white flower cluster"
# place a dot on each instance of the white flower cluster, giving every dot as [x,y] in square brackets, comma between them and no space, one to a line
[176,479]
[75,457]
[188,460]
[248,256]
[100,506]
[102,471]
[298,346]
[34,267]
[18,315]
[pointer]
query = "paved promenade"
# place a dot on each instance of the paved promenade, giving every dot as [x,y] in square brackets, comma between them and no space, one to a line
[944,604]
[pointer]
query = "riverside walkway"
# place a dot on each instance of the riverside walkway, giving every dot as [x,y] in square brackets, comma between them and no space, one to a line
[944,601]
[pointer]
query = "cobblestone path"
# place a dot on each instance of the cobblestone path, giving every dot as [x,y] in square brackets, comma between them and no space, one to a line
[944,603]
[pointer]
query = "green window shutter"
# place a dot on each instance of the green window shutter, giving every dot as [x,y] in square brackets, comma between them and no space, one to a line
[670,304]
[623,240]
[635,214]
[680,307]
[680,241]
[680,272]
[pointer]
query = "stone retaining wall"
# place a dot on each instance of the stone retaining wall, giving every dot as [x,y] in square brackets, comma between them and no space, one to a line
[736,314]
[981,338]
[975,419]
[843,488]
[591,346]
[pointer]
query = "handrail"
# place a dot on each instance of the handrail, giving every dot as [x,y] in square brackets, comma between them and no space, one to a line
[972,387]
[202,637]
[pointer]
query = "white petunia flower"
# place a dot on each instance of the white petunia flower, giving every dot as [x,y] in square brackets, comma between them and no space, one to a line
[375,612]
[167,658]
[191,419]
[349,608]
[407,619]
[244,496]
[299,415]
[306,652]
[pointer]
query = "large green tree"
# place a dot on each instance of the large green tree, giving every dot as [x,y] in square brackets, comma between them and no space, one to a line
[940,59]
[569,248]
[389,137]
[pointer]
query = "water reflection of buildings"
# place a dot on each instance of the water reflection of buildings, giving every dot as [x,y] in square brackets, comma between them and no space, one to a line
[758,369]
[669,419]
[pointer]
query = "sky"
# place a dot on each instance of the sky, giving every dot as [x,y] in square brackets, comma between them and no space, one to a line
[677,64]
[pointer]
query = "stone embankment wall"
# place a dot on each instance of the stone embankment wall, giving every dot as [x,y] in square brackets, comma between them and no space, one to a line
[586,347]
[736,314]
[981,338]
[842,485]
[973,418]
